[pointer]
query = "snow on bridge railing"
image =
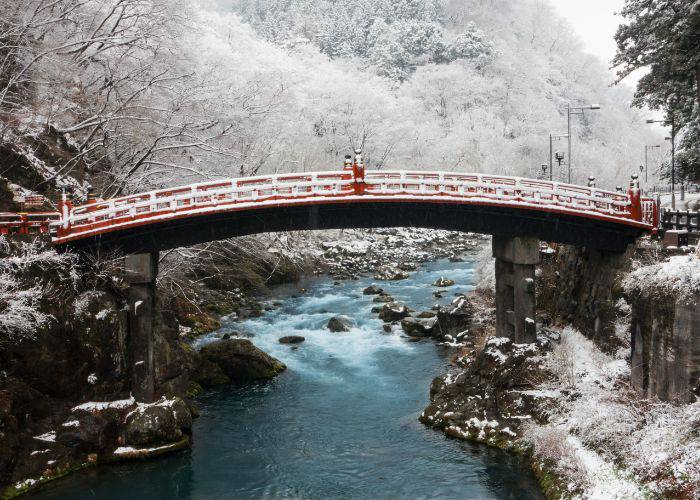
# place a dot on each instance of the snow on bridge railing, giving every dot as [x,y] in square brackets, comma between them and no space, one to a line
[286,189]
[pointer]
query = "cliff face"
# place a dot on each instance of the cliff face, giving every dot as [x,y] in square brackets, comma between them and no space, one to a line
[77,353]
[665,326]
[654,310]
[666,348]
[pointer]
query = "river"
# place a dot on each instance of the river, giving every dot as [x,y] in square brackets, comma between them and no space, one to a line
[341,421]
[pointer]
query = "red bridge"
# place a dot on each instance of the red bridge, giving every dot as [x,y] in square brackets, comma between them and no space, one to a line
[351,198]
[518,212]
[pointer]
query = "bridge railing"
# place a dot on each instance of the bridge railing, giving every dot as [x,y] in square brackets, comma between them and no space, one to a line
[27,223]
[386,185]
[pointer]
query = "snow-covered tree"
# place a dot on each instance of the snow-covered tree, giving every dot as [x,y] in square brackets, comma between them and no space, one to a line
[664,36]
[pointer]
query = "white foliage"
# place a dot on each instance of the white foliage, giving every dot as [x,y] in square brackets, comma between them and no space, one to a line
[21,295]
[600,424]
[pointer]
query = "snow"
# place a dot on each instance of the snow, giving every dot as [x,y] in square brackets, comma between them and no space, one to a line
[103,405]
[616,444]
[679,275]
[92,379]
[71,423]
[605,481]
[25,484]
[102,314]
[541,393]
[141,407]
[49,437]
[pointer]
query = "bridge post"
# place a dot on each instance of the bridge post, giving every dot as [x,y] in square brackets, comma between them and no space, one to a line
[141,272]
[516,259]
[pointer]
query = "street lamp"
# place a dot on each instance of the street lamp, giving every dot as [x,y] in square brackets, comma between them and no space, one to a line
[551,137]
[578,110]
[646,162]
[672,123]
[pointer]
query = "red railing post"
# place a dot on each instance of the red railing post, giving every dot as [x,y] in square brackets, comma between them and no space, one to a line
[64,207]
[23,223]
[656,200]
[358,172]
[635,199]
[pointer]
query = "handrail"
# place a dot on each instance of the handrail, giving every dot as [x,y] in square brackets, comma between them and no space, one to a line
[301,187]
[342,186]
[27,222]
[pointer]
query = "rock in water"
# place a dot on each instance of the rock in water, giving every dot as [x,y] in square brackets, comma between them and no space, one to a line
[382,297]
[339,324]
[426,314]
[418,327]
[390,274]
[372,290]
[393,311]
[157,423]
[240,360]
[291,339]
[442,282]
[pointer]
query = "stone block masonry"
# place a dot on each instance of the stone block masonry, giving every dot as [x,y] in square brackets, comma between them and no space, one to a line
[141,272]
[516,259]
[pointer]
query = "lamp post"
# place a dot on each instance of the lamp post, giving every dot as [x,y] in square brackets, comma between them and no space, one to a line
[575,110]
[551,166]
[646,162]
[672,123]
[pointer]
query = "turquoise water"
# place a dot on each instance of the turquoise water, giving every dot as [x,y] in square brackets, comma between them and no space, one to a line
[341,422]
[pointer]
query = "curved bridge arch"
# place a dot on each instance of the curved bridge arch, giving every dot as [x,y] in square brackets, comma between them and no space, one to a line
[498,205]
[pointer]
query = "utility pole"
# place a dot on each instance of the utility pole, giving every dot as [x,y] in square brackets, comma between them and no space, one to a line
[574,111]
[646,162]
[672,123]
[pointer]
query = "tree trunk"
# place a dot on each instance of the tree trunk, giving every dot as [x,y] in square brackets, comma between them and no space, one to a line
[697,83]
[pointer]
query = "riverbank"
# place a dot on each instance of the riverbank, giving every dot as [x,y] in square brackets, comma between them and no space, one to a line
[568,403]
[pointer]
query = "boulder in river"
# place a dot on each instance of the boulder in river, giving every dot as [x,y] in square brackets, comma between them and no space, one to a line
[339,324]
[390,273]
[240,360]
[153,424]
[426,314]
[418,327]
[372,290]
[442,282]
[383,297]
[292,339]
[393,311]
[408,266]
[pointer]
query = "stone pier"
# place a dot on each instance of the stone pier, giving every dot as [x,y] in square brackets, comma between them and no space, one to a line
[516,259]
[141,272]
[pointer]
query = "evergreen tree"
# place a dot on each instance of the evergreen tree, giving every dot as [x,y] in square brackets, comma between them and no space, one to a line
[664,36]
